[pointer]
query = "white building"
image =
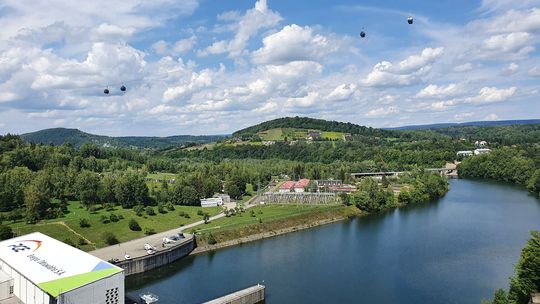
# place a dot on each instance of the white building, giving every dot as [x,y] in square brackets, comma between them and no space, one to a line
[481,151]
[42,270]
[465,153]
[211,202]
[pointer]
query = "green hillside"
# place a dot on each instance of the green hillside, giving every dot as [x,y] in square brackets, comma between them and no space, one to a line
[59,136]
[306,123]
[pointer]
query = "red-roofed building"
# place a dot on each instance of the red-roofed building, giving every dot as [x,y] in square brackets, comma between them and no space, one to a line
[287,186]
[301,185]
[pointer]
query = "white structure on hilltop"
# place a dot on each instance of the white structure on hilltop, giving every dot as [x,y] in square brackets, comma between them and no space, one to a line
[481,151]
[211,202]
[41,270]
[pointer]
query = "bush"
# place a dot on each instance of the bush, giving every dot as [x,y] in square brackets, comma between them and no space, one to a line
[108,207]
[134,225]
[182,213]
[187,215]
[120,217]
[84,223]
[82,242]
[200,212]
[161,209]
[170,206]
[5,232]
[211,239]
[149,231]
[150,211]
[113,218]
[69,242]
[252,213]
[139,210]
[104,219]
[109,238]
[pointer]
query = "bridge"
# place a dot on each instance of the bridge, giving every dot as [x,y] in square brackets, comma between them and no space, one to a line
[450,171]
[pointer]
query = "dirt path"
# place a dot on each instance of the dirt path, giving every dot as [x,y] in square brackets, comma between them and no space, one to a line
[76,233]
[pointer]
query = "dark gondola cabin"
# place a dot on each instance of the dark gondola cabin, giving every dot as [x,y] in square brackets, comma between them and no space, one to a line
[362,34]
[123,88]
[106,91]
[410,20]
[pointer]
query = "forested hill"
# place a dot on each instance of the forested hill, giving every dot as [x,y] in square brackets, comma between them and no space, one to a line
[59,136]
[313,124]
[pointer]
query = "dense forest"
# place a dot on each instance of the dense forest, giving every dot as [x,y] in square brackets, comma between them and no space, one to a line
[518,166]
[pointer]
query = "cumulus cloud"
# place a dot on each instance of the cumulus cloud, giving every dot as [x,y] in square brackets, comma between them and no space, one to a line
[294,43]
[493,94]
[305,101]
[177,48]
[491,116]
[342,92]
[463,67]
[511,69]
[255,19]
[434,91]
[405,72]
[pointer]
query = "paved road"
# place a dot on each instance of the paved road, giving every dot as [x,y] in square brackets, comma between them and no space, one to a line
[135,248]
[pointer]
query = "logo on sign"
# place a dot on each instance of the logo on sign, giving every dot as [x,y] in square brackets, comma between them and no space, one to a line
[25,245]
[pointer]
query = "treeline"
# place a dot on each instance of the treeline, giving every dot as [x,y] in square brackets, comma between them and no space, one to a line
[420,187]
[518,166]
[386,155]
[526,279]
[497,135]
[311,123]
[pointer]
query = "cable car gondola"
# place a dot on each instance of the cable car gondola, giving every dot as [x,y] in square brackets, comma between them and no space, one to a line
[410,20]
[362,34]
[106,91]
[123,88]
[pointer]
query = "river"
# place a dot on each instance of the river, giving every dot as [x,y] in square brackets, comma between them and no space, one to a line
[456,250]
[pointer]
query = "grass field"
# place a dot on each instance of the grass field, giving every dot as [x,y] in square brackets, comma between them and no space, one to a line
[295,134]
[67,227]
[161,176]
[272,218]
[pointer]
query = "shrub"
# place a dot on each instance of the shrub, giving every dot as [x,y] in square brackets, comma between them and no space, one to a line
[5,232]
[120,217]
[82,242]
[104,219]
[200,212]
[69,242]
[149,231]
[150,211]
[108,207]
[170,206]
[252,213]
[113,218]
[134,225]
[187,215]
[211,239]
[161,209]
[260,220]
[139,210]
[84,223]
[182,213]
[109,238]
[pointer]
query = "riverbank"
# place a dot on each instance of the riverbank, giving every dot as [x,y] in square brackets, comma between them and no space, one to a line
[250,233]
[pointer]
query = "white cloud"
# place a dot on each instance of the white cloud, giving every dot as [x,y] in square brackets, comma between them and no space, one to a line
[255,19]
[404,73]
[511,69]
[434,91]
[493,94]
[294,43]
[382,112]
[492,116]
[342,92]
[305,101]
[178,48]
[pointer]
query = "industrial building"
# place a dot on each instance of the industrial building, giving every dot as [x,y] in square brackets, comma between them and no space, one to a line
[37,269]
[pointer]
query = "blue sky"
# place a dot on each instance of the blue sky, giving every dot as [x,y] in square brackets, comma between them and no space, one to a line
[213,67]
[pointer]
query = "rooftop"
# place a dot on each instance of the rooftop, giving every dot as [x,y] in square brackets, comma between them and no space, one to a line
[52,265]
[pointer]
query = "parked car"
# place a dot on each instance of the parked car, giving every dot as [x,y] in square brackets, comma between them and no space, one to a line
[150,251]
[127,257]
[149,247]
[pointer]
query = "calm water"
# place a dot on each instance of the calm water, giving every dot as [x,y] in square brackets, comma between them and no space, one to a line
[457,250]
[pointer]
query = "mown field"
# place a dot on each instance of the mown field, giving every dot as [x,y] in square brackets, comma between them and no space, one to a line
[270,218]
[67,228]
[295,134]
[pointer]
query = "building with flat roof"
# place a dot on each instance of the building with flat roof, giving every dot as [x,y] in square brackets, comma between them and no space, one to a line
[46,271]
[211,202]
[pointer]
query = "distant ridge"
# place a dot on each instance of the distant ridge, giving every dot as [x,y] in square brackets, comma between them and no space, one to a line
[469,124]
[76,137]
